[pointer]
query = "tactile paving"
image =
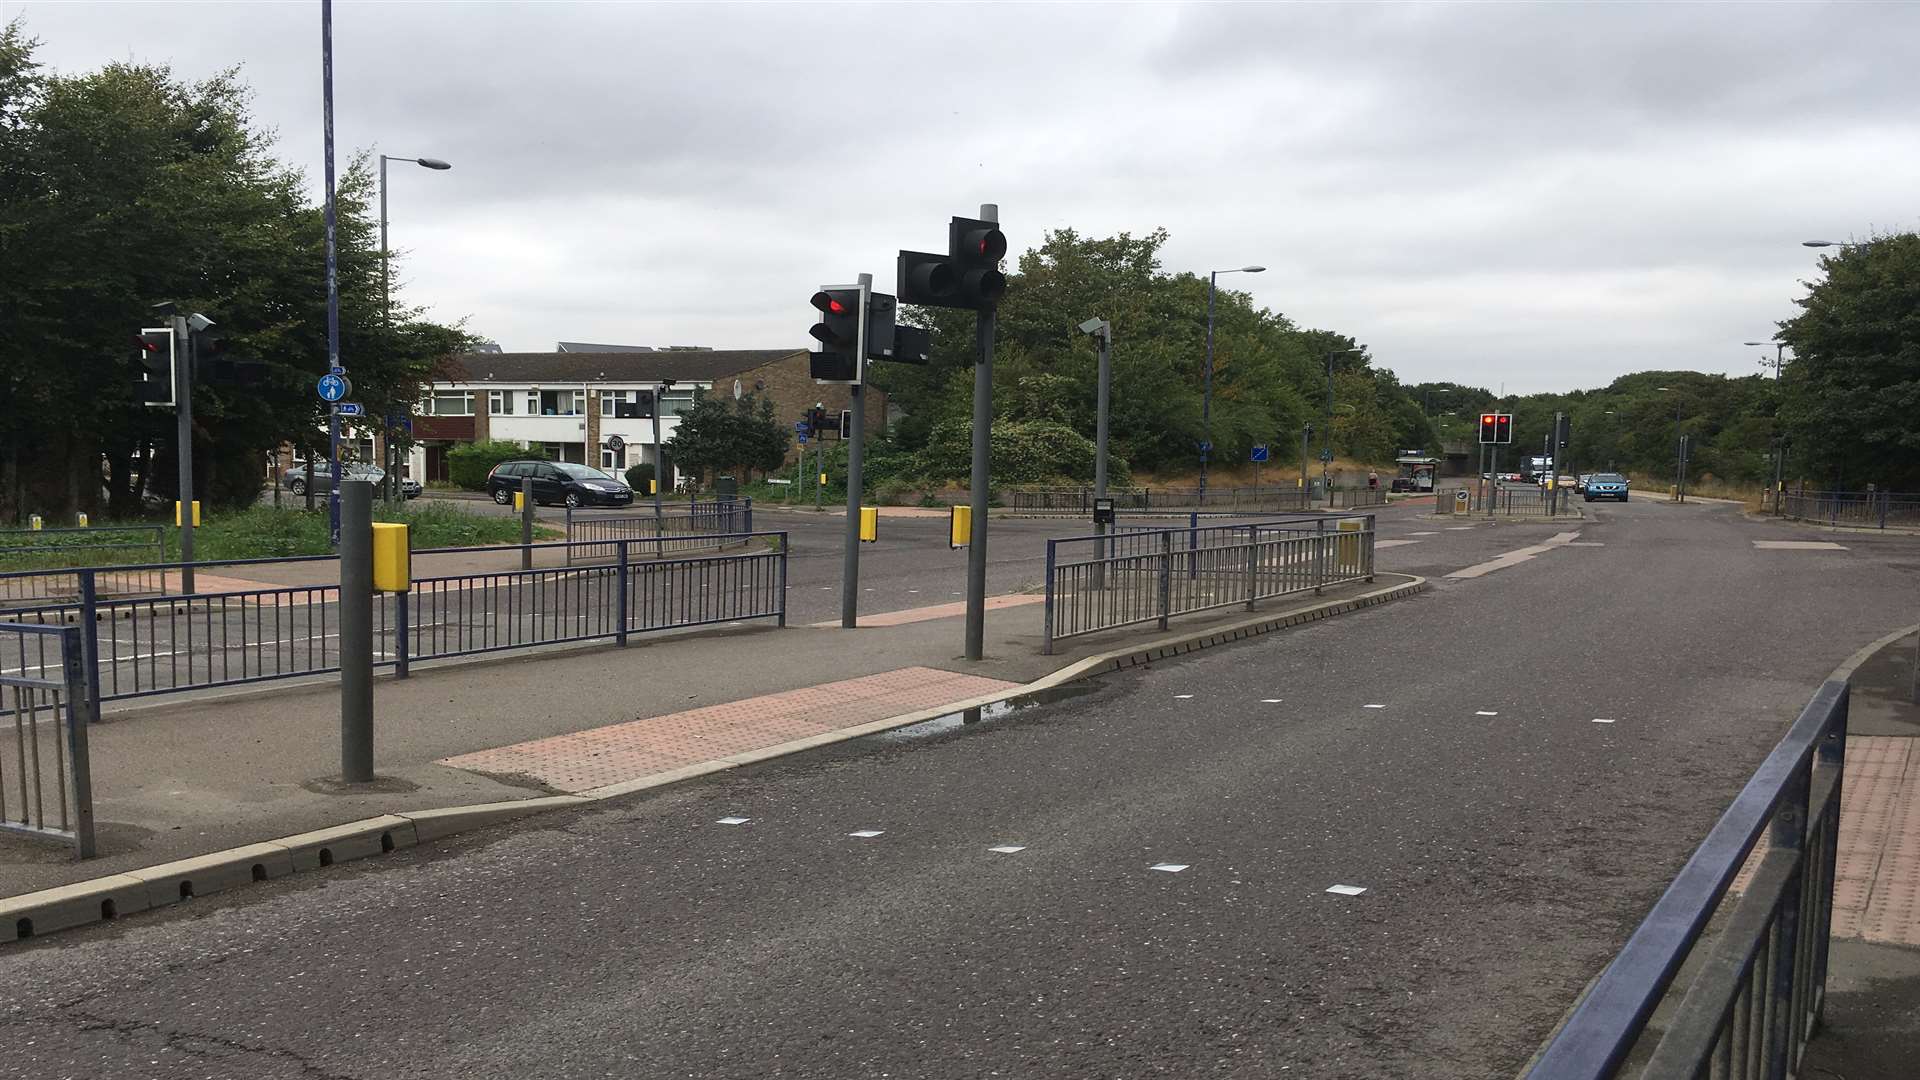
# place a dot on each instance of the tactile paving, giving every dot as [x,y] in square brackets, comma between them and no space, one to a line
[627,751]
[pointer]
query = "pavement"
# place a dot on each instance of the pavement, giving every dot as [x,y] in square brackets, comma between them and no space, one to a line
[1395,843]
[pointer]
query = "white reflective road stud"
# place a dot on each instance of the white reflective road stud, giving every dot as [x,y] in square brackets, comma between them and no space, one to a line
[1169,867]
[1347,890]
[1007,849]
[733,821]
[867,834]
[1484,712]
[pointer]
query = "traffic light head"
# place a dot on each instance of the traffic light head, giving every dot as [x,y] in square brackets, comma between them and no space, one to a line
[967,276]
[839,324]
[153,372]
[1503,428]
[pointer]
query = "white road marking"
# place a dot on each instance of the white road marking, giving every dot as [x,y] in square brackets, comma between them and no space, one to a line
[1516,557]
[1484,712]
[1797,545]
[1393,543]
[1601,720]
[1373,706]
[1182,697]
[1347,890]
[867,834]
[1007,849]
[1586,543]
[1459,528]
[1269,701]
[733,821]
[1169,867]
[1427,533]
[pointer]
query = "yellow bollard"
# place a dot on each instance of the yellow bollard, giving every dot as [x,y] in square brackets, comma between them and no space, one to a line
[82,518]
[196,514]
[960,526]
[869,524]
[34,522]
[392,558]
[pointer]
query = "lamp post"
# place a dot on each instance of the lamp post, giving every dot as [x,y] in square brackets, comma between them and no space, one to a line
[1779,449]
[1680,449]
[386,305]
[1326,441]
[1206,393]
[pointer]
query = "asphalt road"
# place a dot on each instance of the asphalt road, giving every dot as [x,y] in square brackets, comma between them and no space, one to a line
[1504,858]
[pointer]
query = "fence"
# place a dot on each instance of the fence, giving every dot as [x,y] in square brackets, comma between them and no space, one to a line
[1080,500]
[1505,502]
[141,646]
[1356,497]
[679,528]
[1756,995]
[1862,509]
[45,782]
[69,548]
[1136,575]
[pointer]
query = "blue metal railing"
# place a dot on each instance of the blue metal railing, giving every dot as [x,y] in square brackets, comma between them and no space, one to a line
[1757,995]
[46,784]
[138,646]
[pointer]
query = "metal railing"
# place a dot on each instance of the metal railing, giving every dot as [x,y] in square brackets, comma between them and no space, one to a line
[141,646]
[1356,497]
[680,527]
[66,548]
[1756,995]
[1080,500]
[1860,509]
[1137,575]
[46,783]
[1506,502]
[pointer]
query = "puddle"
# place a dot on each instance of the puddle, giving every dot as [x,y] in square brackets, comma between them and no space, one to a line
[940,725]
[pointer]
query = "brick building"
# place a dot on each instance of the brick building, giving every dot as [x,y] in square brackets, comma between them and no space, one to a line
[565,405]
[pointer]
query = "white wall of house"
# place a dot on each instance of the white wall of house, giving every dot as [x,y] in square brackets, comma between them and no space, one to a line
[556,414]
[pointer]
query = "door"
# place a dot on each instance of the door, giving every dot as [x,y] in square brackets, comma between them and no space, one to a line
[548,484]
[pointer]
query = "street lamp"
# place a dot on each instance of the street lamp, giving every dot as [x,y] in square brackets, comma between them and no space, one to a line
[1326,446]
[1779,450]
[386,308]
[1206,394]
[1680,450]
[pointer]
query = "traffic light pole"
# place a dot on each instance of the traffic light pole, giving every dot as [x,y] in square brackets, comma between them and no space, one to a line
[982,444]
[183,413]
[659,393]
[857,423]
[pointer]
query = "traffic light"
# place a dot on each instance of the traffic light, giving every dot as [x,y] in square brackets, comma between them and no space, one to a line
[1563,425]
[1487,427]
[880,326]
[816,422]
[216,363]
[838,332]
[912,345]
[1496,428]
[153,373]
[967,276]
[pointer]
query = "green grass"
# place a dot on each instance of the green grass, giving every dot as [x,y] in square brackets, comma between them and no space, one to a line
[265,532]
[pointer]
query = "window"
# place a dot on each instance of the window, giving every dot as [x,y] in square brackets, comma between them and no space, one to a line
[562,402]
[500,402]
[675,402]
[533,403]
[452,403]
[609,459]
[611,400]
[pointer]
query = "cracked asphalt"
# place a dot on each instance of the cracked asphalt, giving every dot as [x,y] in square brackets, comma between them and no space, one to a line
[1504,859]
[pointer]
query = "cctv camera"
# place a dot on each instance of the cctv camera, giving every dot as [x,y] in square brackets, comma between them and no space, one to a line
[198,323]
[1092,326]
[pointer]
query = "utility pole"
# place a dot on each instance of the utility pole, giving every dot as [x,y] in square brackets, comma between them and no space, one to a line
[659,477]
[183,352]
[1326,438]
[1102,330]
[1306,434]
[333,275]
[356,635]
[857,423]
[985,324]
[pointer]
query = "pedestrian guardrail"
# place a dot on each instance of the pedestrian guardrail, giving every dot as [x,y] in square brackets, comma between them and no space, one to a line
[67,548]
[1860,509]
[46,784]
[1080,500]
[1505,502]
[679,527]
[1355,497]
[1107,581]
[1757,991]
[145,645]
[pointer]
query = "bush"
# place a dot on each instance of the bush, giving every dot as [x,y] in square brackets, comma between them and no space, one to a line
[638,476]
[1030,452]
[469,465]
[895,493]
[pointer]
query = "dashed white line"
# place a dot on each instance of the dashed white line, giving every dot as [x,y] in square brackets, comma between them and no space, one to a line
[1347,890]
[866,834]
[1169,867]
[1373,706]
[1007,849]
[1182,697]
[1601,720]
[1484,712]
[733,821]
[1269,701]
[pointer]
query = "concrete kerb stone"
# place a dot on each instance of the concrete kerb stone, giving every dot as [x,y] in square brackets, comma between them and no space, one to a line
[78,904]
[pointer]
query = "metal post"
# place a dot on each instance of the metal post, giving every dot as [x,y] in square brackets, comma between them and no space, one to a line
[621,570]
[1253,563]
[333,270]
[1306,434]
[1046,616]
[1100,448]
[402,628]
[1166,575]
[356,632]
[83,706]
[781,583]
[183,353]
[1206,394]
[1367,545]
[659,474]
[90,640]
[857,422]
[819,466]
[976,629]
[1193,544]
[389,485]
[526,523]
[1787,833]
[1326,437]
[1319,556]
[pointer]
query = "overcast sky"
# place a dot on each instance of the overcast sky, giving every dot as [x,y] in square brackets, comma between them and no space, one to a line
[1540,195]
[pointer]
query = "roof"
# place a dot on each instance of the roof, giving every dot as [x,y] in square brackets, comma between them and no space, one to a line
[527,369]
[587,346]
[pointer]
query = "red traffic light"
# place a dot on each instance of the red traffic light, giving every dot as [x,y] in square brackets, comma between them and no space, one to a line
[831,304]
[986,244]
[1487,419]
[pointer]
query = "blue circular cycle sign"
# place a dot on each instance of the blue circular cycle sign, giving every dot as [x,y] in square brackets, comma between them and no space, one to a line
[334,388]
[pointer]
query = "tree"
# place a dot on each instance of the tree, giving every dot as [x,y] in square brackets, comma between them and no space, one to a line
[712,437]
[1851,405]
[128,186]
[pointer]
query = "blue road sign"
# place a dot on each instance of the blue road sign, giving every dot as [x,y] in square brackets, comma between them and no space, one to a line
[349,408]
[334,387]
[802,436]
[800,425]
[1259,453]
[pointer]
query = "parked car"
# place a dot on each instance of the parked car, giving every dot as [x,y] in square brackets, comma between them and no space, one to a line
[1564,481]
[296,478]
[557,482]
[1607,485]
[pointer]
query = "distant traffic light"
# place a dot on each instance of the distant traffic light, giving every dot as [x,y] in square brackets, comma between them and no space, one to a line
[1496,428]
[153,374]
[838,331]
[967,276]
